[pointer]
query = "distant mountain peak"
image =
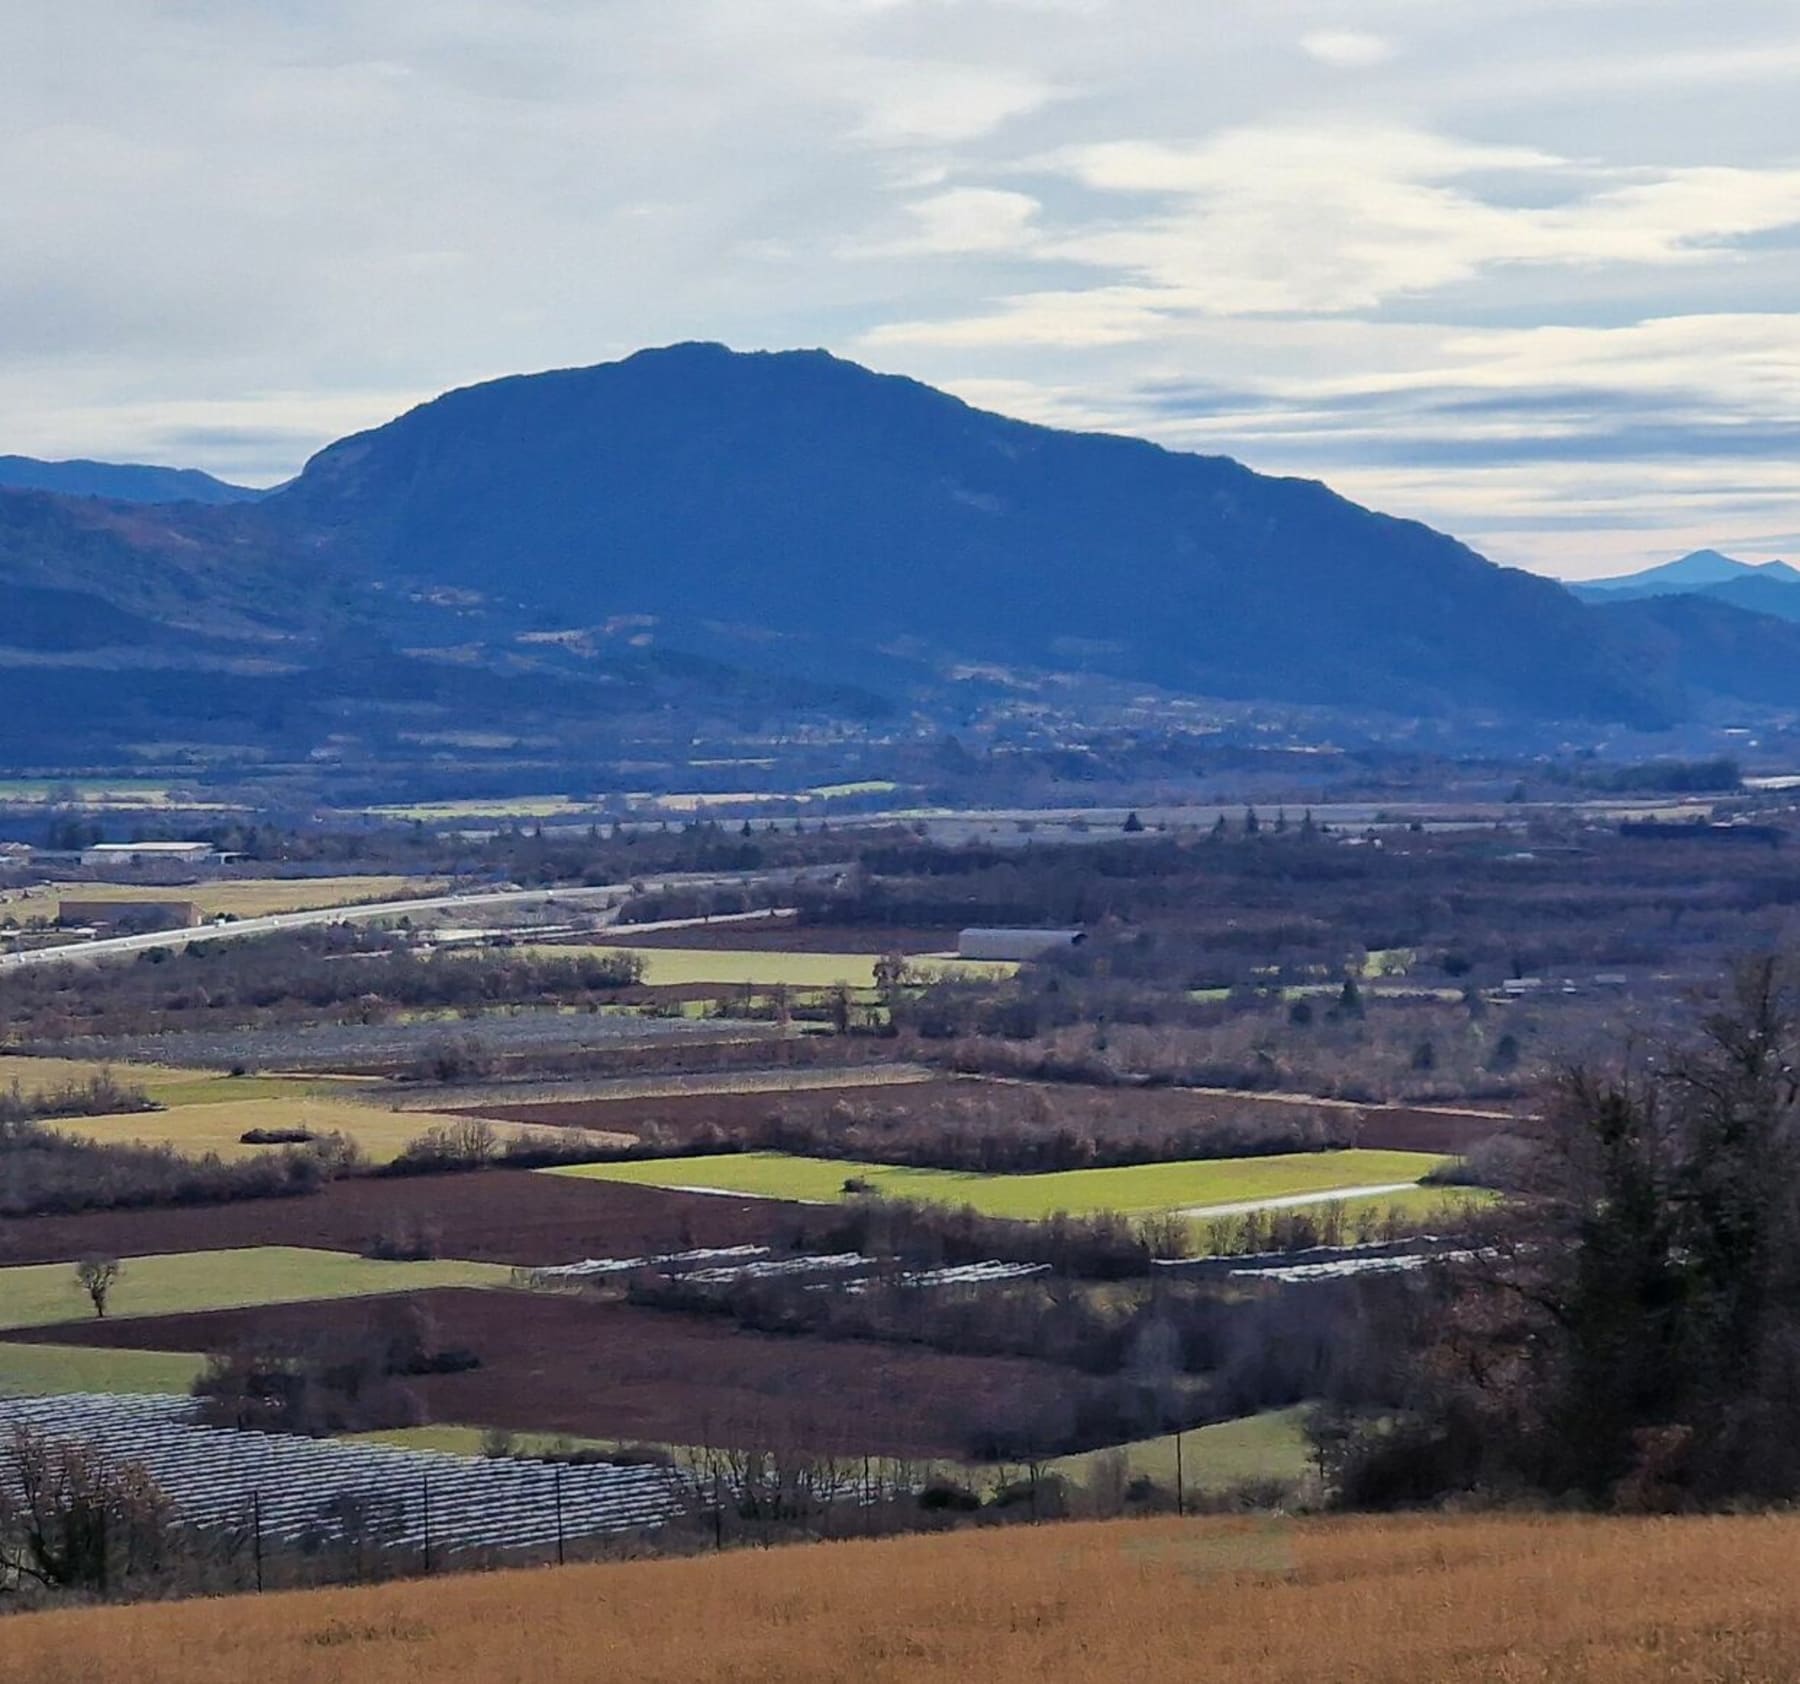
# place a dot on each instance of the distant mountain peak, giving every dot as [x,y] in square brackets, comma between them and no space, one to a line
[1697,570]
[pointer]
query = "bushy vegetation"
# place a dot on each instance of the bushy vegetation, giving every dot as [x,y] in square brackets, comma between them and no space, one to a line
[340,971]
[42,1171]
[1626,1335]
[100,1095]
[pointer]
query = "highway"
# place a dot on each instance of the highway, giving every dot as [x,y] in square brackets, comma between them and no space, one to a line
[603,894]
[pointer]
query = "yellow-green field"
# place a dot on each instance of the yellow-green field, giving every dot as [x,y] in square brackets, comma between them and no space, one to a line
[42,1294]
[248,897]
[167,1084]
[516,806]
[214,1121]
[1138,1189]
[43,1369]
[123,794]
[674,967]
[1268,1446]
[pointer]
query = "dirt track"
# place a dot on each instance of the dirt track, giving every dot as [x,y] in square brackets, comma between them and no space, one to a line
[558,1363]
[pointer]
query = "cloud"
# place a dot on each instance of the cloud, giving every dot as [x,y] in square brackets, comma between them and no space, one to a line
[961,221]
[1346,49]
[1525,269]
[905,103]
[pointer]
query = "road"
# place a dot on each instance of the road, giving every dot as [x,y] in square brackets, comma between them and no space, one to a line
[604,894]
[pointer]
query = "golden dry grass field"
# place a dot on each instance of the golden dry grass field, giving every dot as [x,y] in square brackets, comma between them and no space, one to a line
[248,897]
[215,1122]
[1420,1600]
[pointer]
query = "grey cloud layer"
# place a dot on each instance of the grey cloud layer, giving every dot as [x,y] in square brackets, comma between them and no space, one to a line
[1520,267]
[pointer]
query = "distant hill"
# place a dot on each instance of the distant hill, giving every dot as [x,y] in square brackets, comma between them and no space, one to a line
[121,482]
[693,538]
[1758,586]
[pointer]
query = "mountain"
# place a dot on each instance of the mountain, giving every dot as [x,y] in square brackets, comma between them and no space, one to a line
[695,540]
[799,507]
[1700,571]
[1708,648]
[120,482]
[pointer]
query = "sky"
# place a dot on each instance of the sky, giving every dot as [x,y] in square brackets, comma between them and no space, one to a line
[1526,269]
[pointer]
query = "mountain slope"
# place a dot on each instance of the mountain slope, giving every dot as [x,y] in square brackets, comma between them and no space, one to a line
[121,482]
[1709,649]
[813,506]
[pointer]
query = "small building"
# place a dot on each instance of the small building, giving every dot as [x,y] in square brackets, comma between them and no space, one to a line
[129,914]
[1016,944]
[151,853]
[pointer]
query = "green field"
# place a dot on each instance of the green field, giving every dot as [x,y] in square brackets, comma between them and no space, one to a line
[29,1369]
[43,1294]
[675,967]
[1137,1190]
[1267,1446]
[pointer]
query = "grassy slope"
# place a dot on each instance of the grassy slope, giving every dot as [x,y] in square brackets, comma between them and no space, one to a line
[42,1294]
[27,1369]
[1409,1600]
[1138,1188]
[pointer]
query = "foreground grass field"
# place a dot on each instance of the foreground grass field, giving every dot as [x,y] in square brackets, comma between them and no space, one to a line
[43,1294]
[29,1369]
[1416,1600]
[211,1123]
[250,897]
[1139,1189]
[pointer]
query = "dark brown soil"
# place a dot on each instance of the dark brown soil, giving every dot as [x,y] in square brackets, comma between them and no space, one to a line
[1105,1113]
[559,1363]
[499,1216]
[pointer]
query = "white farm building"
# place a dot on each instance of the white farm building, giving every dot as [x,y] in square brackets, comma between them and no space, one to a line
[151,853]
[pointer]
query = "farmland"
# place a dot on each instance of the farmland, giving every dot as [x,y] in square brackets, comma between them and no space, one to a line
[1138,1189]
[557,1364]
[1411,1600]
[27,1369]
[850,1104]
[45,1294]
[493,1216]
[248,897]
[217,1121]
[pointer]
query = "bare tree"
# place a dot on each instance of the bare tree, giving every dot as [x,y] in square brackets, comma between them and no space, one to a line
[97,1276]
[70,1519]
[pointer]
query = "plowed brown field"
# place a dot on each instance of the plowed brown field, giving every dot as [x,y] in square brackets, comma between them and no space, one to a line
[495,1216]
[556,1363]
